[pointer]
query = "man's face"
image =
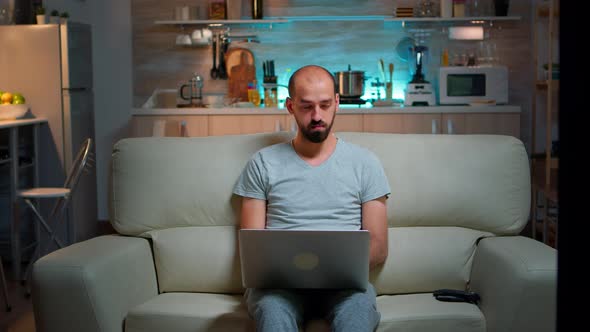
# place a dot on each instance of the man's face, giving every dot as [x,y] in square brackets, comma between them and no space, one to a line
[314,105]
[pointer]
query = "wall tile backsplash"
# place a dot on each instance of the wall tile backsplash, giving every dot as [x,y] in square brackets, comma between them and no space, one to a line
[159,63]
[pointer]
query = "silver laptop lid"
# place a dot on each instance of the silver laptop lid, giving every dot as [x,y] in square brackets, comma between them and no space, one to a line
[304,258]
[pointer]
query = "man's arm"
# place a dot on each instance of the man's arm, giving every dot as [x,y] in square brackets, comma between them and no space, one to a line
[374,219]
[253,213]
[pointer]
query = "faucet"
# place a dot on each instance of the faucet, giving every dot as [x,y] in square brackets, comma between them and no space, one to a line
[196,89]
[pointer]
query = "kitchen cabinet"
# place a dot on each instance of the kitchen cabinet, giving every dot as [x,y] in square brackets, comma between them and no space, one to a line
[445,123]
[343,122]
[376,121]
[383,123]
[143,126]
[544,161]
[402,123]
[346,122]
[481,123]
[245,124]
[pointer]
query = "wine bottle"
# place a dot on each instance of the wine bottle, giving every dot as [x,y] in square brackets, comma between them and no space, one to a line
[257,9]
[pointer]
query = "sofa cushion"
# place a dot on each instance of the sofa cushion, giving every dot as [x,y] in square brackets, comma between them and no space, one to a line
[177,312]
[422,312]
[190,259]
[422,259]
[454,180]
[435,180]
[163,182]
[197,259]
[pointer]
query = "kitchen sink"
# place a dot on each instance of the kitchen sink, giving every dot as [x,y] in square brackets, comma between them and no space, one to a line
[169,98]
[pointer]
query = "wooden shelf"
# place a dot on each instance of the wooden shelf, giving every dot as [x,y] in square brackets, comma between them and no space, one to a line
[545,165]
[538,182]
[220,22]
[288,19]
[473,20]
[543,84]
[543,11]
[551,231]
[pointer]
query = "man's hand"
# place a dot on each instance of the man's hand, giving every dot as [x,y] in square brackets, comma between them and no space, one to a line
[253,213]
[374,219]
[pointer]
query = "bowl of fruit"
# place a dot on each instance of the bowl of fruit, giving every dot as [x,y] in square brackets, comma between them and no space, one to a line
[12,106]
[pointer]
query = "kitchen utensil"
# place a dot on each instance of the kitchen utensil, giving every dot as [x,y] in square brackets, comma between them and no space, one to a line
[389,84]
[218,53]
[402,48]
[233,57]
[214,74]
[419,91]
[381,67]
[240,75]
[391,72]
[350,83]
[223,50]
[195,86]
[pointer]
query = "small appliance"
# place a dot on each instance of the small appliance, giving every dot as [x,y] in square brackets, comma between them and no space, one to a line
[419,91]
[464,85]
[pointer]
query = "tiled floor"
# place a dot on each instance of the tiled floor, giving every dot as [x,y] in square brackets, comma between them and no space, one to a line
[20,318]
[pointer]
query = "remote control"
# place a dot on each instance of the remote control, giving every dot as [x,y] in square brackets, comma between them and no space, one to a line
[456,295]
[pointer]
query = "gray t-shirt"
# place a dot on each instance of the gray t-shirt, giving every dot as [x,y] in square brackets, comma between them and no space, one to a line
[301,196]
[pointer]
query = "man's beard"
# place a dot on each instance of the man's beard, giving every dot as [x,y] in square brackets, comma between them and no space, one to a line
[317,136]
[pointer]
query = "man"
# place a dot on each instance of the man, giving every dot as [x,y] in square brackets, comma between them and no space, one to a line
[315,181]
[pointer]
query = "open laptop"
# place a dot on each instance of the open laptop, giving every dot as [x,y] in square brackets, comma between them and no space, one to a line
[304,258]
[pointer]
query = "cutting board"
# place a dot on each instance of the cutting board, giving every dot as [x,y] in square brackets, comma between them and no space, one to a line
[240,71]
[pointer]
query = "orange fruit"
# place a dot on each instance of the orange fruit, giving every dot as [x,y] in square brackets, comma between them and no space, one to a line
[6,98]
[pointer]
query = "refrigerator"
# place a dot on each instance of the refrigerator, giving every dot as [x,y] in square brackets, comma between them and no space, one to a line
[51,65]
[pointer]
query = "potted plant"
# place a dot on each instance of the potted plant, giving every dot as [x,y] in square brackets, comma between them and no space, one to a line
[54,17]
[40,15]
[64,17]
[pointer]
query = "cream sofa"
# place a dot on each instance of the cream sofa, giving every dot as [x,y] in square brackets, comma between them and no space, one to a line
[457,206]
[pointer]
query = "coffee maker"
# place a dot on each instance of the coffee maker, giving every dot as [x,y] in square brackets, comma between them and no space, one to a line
[419,91]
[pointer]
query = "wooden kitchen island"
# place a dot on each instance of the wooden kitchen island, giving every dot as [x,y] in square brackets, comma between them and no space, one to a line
[501,120]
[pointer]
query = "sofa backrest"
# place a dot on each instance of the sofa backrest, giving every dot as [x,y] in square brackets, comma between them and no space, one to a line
[447,191]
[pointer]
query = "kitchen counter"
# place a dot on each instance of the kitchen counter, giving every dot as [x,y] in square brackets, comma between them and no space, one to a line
[344,109]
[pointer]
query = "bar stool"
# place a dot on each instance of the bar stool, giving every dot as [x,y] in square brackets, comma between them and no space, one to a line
[62,195]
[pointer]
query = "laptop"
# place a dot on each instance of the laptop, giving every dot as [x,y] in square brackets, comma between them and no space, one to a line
[327,259]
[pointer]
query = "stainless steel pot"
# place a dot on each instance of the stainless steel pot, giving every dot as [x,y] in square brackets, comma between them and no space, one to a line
[350,83]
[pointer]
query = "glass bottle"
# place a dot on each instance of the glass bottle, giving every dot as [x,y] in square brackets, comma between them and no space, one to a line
[257,13]
[445,58]
[253,94]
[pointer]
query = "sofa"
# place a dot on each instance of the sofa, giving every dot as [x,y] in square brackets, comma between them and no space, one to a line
[457,208]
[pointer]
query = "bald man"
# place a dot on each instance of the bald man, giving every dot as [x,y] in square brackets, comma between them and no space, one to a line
[316,181]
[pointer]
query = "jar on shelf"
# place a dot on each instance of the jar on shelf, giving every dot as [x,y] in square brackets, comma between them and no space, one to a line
[426,8]
[217,10]
[446,8]
[458,8]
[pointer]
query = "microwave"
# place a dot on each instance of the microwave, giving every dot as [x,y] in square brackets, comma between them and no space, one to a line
[468,84]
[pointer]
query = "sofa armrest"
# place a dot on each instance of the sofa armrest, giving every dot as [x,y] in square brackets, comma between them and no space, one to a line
[91,285]
[516,278]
